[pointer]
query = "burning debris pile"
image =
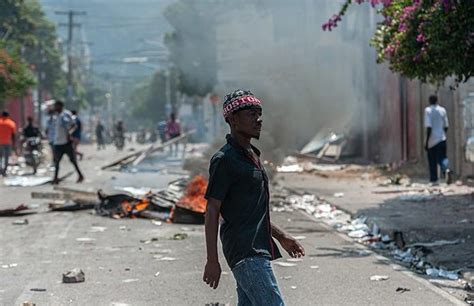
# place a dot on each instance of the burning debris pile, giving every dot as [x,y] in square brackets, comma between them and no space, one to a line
[362,231]
[182,202]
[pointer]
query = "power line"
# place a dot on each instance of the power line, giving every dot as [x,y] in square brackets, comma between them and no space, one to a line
[70,25]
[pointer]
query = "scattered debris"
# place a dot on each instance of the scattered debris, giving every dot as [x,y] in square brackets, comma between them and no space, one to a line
[437,243]
[31,181]
[13,265]
[157,223]
[164,258]
[157,274]
[179,236]
[314,267]
[442,273]
[76,275]
[402,290]
[285,264]
[20,222]
[379,277]
[469,299]
[20,210]
[98,229]
[38,289]
[130,280]
[339,195]
[148,241]
[293,287]
[85,239]
[28,303]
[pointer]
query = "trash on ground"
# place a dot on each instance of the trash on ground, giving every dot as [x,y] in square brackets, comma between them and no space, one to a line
[339,195]
[442,273]
[314,267]
[164,258]
[70,206]
[157,223]
[157,273]
[38,289]
[402,290]
[179,236]
[7,266]
[76,275]
[136,192]
[130,280]
[148,241]
[293,287]
[20,210]
[31,181]
[285,264]
[28,303]
[294,259]
[97,229]
[85,239]
[437,243]
[20,222]
[379,277]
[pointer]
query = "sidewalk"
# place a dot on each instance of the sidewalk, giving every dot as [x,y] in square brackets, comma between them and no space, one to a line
[426,214]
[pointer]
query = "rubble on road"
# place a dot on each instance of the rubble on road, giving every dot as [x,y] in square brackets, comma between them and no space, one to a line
[379,277]
[20,210]
[76,275]
[20,222]
[137,157]
[31,181]
[182,202]
[369,234]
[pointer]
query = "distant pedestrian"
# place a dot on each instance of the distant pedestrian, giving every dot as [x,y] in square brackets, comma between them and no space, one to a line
[7,141]
[64,127]
[100,135]
[173,130]
[436,123]
[238,194]
[77,134]
[119,135]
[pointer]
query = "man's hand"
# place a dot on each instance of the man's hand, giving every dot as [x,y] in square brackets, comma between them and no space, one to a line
[212,274]
[292,246]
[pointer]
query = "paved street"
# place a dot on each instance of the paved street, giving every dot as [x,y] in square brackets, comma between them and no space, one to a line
[124,267]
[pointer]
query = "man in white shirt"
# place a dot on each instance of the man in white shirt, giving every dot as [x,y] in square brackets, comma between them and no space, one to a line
[436,124]
[63,128]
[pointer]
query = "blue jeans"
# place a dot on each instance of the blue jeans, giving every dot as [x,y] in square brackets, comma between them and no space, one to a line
[437,156]
[256,283]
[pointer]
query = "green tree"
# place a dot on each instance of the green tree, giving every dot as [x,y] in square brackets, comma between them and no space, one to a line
[430,40]
[23,22]
[149,100]
[15,77]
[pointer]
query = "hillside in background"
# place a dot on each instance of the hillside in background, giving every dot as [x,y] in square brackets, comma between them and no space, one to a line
[114,30]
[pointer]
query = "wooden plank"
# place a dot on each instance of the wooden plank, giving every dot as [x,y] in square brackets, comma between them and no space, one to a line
[76,192]
[50,195]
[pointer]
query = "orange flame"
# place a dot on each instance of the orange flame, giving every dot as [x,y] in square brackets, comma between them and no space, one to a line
[193,198]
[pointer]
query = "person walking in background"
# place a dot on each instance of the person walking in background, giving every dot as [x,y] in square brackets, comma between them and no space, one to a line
[173,130]
[119,135]
[99,134]
[50,130]
[64,127]
[77,134]
[238,194]
[30,130]
[436,124]
[7,141]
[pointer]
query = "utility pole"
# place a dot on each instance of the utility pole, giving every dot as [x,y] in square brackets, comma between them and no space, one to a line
[70,75]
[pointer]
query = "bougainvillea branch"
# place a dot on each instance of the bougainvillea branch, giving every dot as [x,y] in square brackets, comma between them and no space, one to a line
[428,40]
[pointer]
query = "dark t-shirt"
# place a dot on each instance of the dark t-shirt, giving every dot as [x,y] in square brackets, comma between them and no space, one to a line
[242,186]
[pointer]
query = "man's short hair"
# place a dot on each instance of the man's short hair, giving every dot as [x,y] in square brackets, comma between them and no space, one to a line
[5,114]
[433,99]
[59,102]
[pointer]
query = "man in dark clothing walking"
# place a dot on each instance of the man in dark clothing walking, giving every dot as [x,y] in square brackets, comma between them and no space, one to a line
[238,191]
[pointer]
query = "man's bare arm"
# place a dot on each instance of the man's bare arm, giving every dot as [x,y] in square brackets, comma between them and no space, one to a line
[290,244]
[212,271]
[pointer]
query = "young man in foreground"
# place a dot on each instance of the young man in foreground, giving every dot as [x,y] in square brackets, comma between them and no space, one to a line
[238,191]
